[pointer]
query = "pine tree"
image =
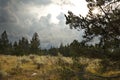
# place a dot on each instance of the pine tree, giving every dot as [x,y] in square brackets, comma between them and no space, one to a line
[35,44]
[25,45]
[4,42]
[61,49]
[104,25]
[15,48]
[22,47]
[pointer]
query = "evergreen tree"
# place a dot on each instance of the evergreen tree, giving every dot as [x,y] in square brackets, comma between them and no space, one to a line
[76,48]
[35,44]
[22,47]
[25,45]
[53,51]
[64,50]
[105,24]
[4,43]
[61,49]
[15,48]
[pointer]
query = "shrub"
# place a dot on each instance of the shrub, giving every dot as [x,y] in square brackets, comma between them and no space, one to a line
[39,65]
[24,60]
[16,70]
[66,73]
[32,57]
[3,74]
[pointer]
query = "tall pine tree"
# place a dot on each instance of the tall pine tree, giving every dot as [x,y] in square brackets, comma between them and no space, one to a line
[4,43]
[35,44]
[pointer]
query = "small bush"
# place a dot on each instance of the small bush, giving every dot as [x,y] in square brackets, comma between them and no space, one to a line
[24,60]
[16,70]
[3,75]
[32,57]
[39,65]
[66,73]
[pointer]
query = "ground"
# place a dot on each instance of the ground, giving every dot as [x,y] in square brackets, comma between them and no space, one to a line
[35,67]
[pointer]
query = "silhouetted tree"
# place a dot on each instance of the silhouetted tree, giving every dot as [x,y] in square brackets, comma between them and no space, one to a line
[25,45]
[64,50]
[75,48]
[22,47]
[61,49]
[4,43]
[35,44]
[15,48]
[53,51]
[105,24]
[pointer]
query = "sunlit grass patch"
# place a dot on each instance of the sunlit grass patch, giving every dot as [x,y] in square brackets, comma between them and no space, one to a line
[35,67]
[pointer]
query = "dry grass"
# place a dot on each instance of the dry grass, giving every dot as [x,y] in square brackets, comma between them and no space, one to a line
[45,67]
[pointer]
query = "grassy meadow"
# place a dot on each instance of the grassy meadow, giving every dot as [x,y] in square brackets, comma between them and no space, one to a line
[47,67]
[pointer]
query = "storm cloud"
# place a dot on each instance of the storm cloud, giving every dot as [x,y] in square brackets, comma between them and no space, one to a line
[25,17]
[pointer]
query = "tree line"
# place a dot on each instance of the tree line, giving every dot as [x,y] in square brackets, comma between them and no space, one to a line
[74,49]
[21,47]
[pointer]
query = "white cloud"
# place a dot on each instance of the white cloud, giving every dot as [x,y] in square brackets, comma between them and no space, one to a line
[58,6]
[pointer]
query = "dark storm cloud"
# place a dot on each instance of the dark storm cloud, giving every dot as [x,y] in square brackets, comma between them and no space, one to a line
[18,22]
[9,8]
[6,16]
[39,2]
[4,3]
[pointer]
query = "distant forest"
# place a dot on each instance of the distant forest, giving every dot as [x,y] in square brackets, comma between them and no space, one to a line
[75,49]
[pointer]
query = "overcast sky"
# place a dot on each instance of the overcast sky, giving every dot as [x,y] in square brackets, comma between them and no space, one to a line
[46,17]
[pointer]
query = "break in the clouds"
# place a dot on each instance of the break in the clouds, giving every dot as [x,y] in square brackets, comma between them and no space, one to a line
[46,17]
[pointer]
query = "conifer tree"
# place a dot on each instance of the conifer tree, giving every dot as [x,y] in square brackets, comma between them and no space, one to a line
[4,42]
[35,44]
[104,25]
